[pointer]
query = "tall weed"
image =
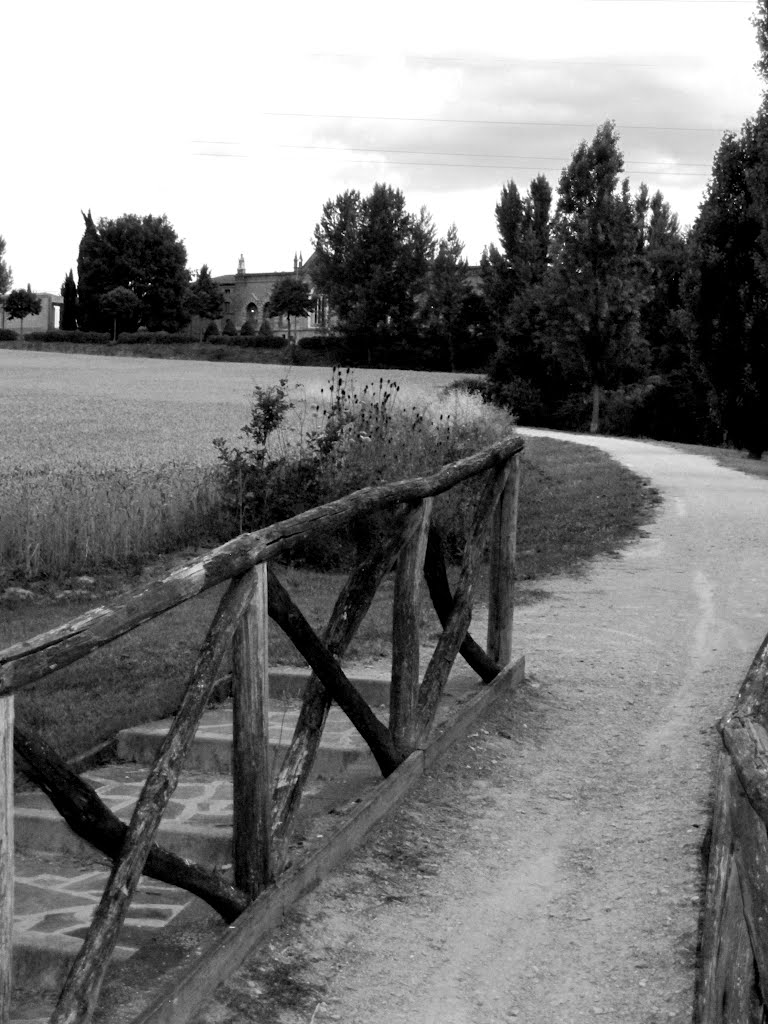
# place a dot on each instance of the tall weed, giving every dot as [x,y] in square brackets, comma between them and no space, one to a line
[354,436]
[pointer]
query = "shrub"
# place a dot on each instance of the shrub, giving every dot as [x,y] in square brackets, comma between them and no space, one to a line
[229,329]
[211,331]
[70,337]
[155,338]
[353,438]
[8,335]
[247,330]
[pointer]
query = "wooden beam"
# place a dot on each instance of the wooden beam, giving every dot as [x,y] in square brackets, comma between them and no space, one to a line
[350,609]
[747,743]
[436,575]
[456,628]
[89,817]
[750,852]
[81,989]
[6,856]
[406,612]
[251,774]
[501,570]
[331,675]
[24,663]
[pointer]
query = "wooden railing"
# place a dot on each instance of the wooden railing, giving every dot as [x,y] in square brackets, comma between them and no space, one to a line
[264,812]
[733,972]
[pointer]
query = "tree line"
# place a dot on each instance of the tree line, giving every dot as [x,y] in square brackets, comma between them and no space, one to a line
[593,310]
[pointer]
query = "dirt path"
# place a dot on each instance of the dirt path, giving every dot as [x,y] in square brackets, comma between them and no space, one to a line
[553,874]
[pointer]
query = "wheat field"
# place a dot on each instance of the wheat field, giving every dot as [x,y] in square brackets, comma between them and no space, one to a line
[107,461]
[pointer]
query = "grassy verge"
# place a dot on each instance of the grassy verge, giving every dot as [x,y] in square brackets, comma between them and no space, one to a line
[203,351]
[730,458]
[575,503]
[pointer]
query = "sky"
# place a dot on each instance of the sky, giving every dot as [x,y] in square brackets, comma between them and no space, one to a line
[238,121]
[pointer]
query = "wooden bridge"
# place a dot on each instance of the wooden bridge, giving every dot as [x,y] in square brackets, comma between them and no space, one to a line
[264,814]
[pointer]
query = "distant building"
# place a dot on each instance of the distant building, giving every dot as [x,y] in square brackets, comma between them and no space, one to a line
[48,319]
[246,298]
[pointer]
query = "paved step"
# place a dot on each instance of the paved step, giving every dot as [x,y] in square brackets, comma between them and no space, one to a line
[286,682]
[211,750]
[60,879]
[54,901]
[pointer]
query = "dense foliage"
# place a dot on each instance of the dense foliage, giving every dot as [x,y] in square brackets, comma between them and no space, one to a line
[141,254]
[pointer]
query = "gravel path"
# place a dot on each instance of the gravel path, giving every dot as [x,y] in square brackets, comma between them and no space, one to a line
[556,875]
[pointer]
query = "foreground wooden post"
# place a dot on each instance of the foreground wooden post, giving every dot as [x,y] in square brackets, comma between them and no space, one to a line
[503,549]
[6,855]
[81,989]
[251,777]
[405,634]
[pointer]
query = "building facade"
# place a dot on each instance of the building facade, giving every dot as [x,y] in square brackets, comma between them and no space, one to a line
[48,319]
[246,299]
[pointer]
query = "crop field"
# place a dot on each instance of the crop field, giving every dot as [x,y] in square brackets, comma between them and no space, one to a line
[106,462]
[58,409]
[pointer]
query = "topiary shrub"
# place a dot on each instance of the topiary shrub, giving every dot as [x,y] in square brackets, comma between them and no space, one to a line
[229,330]
[211,332]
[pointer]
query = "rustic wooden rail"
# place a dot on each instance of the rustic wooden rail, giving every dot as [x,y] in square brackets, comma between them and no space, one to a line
[264,812]
[733,973]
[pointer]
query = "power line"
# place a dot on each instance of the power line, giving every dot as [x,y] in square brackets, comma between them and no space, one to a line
[653,164]
[507,124]
[521,167]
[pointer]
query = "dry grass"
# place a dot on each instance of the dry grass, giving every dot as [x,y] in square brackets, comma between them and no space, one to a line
[106,463]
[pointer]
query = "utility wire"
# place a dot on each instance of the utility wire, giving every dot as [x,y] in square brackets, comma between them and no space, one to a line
[654,164]
[509,124]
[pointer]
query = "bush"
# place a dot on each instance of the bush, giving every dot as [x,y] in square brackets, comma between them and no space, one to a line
[247,330]
[8,335]
[229,329]
[70,337]
[353,438]
[211,331]
[155,338]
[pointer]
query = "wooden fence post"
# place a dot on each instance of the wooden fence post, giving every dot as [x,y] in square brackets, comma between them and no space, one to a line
[6,855]
[503,549]
[405,634]
[251,776]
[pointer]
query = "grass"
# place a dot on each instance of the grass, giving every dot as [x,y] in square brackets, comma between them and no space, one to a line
[730,458]
[215,353]
[575,503]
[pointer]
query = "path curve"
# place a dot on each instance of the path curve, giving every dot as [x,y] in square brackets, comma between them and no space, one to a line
[570,888]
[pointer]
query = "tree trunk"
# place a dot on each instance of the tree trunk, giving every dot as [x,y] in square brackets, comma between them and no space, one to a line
[594,426]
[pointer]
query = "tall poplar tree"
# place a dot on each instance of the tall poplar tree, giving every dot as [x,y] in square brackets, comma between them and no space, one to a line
[595,288]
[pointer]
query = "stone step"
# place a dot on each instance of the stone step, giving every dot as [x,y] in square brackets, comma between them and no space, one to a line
[288,683]
[211,750]
[55,898]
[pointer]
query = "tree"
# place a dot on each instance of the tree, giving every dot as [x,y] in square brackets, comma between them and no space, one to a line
[522,371]
[121,304]
[204,298]
[290,296]
[726,287]
[446,298]
[372,257]
[69,304]
[20,304]
[6,277]
[142,254]
[594,289]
